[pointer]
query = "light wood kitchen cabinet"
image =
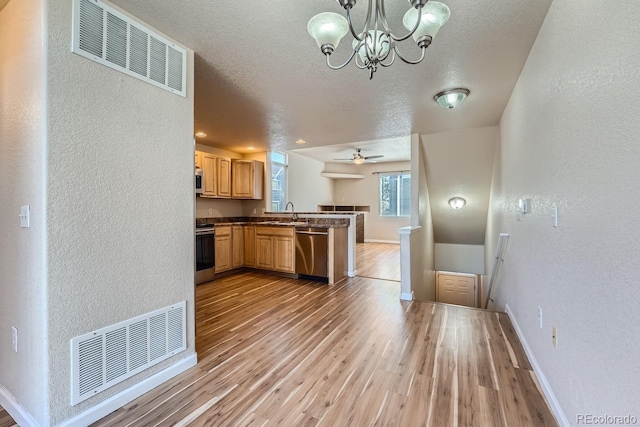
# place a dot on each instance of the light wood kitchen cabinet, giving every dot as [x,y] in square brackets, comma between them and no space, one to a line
[264,250]
[237,259]
[284,254]
[275,249]
[247,177]
[224,248]
[224,177]
[249,245]
[209,177]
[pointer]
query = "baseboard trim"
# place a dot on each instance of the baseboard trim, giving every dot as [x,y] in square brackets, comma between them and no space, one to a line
[353,273]
[106,407]
[18,412]
[396,242]
[546,388]
[405,296]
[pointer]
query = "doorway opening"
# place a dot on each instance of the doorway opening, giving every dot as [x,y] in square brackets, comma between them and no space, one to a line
[378,260]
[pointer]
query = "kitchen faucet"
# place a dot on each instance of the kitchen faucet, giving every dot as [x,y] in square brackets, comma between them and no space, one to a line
[294,216]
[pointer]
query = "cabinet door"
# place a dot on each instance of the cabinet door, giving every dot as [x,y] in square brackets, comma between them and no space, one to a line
[284,254]
[264,251]
[224,177]
[242,176]
[223,249]
[249,245]
[209,175]
[238,246]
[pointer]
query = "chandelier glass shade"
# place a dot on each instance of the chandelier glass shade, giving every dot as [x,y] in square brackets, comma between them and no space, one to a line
[376,45]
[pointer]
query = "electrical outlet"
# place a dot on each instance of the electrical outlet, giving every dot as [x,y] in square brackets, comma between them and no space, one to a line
[210,211]
[14,338]
[554,336]
[540,316]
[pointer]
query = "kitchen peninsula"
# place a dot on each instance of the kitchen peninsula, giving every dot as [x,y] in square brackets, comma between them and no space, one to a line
[268,243]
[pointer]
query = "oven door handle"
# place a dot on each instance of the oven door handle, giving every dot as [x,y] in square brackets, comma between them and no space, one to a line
[205,233]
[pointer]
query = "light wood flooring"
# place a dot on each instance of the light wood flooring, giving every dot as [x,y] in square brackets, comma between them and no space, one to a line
[279,351]
[5,419]
[378,260]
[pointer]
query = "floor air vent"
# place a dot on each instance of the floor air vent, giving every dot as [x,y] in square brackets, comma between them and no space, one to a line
[104,35]
[102,358]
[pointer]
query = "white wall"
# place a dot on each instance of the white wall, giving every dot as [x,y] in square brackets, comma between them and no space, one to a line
[570,137]
[365,192]
[22,173]
[307,189]
[423,279]
[459,258]
[219,207]
[120,203]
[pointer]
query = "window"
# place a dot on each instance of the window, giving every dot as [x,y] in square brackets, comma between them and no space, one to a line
[278,181]
[395,194]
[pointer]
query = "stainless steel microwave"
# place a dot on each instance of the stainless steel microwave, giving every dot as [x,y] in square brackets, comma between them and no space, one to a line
[198,180]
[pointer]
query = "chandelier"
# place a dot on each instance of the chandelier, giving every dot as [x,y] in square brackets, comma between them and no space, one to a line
[376,45]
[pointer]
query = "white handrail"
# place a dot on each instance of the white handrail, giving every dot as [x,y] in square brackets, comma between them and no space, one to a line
[497,263]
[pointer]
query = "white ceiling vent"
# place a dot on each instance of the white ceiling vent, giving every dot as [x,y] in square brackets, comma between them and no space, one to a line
[105,35]
[102,358]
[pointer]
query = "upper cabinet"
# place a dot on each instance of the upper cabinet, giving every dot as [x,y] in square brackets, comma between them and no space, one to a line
[247,179]
[209,166]
[230,178]
[224,177]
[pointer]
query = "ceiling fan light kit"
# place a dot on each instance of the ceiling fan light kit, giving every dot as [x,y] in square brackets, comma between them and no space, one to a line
[451,98]
[376,45]
[359,159]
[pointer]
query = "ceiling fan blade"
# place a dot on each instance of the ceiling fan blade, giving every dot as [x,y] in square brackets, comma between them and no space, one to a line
[344,159]
[374,157]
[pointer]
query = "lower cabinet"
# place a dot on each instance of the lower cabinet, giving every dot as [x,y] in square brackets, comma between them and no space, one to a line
[284,254]
[249,245]
[238,246]
[267,248]
[275,249]
[224,248]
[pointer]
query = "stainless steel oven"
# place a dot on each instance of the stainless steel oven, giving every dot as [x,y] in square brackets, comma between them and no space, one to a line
[205,253]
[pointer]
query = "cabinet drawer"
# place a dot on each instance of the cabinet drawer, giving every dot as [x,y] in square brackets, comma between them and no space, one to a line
[275,231]
[223,230]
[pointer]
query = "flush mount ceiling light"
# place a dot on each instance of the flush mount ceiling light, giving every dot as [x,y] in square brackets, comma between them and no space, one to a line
[457,202]
[201,134]
[451,98]
[376,44]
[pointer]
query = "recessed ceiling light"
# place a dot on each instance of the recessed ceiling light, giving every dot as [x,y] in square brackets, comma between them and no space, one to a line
[251,148]
[301,141]
[457,202]
[201,134]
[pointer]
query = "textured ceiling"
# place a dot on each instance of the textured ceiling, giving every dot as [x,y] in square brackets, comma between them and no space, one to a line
[260,79]
[460,164]
[393,150]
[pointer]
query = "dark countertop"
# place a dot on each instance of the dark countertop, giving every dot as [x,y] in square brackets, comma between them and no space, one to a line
[276,222]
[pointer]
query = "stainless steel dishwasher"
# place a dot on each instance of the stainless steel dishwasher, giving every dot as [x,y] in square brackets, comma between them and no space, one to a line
[312,246]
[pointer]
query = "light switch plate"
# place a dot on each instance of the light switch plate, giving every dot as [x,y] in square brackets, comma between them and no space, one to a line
[554,216]
[24,216]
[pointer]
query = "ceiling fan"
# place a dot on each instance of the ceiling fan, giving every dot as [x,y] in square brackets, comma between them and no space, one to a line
[359,159]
